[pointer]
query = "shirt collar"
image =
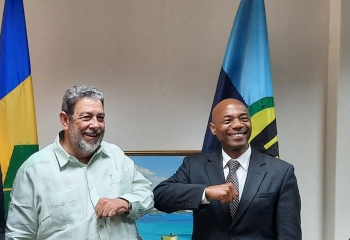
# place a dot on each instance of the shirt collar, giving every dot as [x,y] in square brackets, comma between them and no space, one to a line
[63,157]
[243,159]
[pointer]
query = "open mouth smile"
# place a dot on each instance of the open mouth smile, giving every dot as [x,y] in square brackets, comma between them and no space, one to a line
[92,134]
[237,135]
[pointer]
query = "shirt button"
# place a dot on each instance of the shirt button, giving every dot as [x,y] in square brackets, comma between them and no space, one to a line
[62,203]
[101,226]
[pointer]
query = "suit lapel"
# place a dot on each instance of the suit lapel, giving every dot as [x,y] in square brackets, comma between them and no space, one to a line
[256,173]
[214,168]
[216,176]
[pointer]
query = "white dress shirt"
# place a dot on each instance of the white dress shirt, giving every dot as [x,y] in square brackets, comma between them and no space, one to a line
[242,170]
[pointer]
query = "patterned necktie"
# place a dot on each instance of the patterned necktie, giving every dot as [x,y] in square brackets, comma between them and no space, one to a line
[232,177]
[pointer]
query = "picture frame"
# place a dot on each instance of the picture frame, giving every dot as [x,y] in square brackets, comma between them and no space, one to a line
[162,153]
[158,166]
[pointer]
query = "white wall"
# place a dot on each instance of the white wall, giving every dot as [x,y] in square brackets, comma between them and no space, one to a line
[341,160]
[158,63]
[298,32]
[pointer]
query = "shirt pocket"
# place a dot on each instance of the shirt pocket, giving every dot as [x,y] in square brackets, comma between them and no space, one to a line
[64,209]
[118,183]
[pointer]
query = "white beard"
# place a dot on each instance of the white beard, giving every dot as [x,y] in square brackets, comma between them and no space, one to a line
[80,145]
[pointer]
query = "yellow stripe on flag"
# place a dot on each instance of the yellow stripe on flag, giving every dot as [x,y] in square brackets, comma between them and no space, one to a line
[272,142]
[261,120]
[18,123]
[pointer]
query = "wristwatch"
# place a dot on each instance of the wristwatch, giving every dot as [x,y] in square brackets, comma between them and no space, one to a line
[129,206]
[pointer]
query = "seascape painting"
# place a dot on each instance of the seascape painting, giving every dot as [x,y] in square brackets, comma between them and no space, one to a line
[155,225]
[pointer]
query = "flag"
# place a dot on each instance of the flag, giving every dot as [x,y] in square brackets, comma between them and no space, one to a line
[18,134]
[246,75]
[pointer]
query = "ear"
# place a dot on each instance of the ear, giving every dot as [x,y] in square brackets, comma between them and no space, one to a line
[212,128]
[64,119]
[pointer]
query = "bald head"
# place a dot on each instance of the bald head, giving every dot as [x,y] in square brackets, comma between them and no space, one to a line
[232,126]
[227,103]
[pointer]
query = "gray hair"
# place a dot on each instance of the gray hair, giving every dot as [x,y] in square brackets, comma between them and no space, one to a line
[74,94]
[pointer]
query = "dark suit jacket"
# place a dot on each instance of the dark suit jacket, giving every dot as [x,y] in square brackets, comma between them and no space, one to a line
[269,207]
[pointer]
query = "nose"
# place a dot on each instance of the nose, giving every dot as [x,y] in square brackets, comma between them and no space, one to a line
[94,123]
[236,123]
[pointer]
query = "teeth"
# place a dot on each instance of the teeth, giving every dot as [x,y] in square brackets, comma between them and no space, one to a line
[91,134]
[238,135]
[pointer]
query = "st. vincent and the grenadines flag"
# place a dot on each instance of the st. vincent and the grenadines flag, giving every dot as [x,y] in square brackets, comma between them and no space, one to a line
[18,132]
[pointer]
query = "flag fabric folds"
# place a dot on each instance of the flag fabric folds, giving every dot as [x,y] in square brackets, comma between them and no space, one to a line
[18,133]
[246,75]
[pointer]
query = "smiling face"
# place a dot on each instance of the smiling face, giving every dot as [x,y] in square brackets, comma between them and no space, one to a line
[232,126]
[84,130]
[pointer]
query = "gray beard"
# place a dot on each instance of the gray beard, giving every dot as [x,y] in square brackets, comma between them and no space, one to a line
[88,148]
[81,146]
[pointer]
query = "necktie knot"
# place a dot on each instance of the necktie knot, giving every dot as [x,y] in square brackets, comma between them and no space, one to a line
[233,165]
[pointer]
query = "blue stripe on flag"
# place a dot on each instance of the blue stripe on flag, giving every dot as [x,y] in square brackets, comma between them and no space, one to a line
[14,55]
[247,58]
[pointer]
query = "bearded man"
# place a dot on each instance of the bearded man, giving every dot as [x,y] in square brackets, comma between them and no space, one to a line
[79,187]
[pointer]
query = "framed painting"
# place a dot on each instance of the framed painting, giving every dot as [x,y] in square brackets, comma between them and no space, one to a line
[158,166]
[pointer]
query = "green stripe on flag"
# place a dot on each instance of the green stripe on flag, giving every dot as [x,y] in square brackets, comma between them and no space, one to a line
[19,155]
[260,105]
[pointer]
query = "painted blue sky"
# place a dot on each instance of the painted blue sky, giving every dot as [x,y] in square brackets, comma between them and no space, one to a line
[157,168]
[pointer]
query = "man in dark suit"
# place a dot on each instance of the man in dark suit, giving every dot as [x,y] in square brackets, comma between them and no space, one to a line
[267,193]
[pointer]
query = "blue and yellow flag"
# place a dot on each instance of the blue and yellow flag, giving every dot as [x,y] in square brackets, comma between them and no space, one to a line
[18,134]
[246,75]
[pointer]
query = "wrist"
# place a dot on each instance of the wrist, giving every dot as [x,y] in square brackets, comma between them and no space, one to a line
[129,206]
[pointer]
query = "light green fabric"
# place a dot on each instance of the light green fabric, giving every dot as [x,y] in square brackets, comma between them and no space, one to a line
[54,195]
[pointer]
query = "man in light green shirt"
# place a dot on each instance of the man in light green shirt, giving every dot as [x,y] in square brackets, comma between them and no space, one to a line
[79,187]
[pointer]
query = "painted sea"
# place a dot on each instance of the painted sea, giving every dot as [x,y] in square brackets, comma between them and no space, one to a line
[154,226]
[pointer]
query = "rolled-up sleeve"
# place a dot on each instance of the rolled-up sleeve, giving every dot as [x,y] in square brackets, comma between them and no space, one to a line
[140,194]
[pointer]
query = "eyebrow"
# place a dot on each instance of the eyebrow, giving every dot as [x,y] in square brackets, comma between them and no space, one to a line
[91,113]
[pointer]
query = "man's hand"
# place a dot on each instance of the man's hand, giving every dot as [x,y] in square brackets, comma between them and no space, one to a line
[224,192]
[107,207]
